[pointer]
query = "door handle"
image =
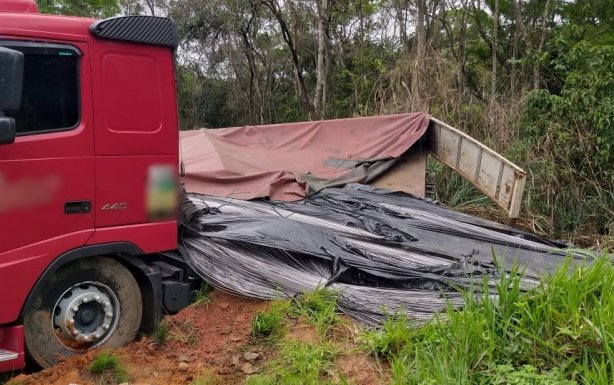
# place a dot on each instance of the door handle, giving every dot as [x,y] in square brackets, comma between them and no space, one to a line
[77,207]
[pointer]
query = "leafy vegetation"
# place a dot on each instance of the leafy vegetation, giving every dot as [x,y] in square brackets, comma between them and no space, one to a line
[91,8]
[299,362]
[573,132]
[160,334]
[108,364]
[203,295]
[319,307]
[559,333]
[269,324]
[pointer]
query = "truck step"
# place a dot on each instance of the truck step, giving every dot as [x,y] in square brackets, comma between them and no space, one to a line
[7,355]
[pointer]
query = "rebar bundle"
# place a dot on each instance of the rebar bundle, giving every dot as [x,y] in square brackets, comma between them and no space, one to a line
[383,252]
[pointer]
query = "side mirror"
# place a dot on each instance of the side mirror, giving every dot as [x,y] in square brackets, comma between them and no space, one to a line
[7,130]
[11,79]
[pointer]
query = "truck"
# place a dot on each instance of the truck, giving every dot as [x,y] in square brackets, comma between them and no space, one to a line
[88,182]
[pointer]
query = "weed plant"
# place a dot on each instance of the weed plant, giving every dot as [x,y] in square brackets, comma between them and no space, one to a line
[561,332]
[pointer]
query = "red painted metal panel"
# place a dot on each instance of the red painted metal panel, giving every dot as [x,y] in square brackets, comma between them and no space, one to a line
[39,173]
[44,27]
[149,237]
[19,6]
[11,338]
[135,99]
[134,126]
[21,268]
[121,188]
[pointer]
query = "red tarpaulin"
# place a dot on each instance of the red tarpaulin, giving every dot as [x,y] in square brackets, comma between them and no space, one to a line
[286,161]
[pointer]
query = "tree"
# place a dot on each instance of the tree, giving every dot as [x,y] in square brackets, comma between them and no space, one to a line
[86,8]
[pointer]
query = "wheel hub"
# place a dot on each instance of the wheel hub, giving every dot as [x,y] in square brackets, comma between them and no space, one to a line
[87,313]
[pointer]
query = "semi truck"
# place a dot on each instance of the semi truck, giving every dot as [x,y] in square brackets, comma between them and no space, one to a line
[88,182]
[89,164]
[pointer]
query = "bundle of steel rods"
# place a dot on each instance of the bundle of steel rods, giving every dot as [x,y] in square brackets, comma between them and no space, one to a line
[383,252]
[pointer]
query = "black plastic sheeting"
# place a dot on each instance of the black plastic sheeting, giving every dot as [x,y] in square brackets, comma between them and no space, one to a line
[383,252]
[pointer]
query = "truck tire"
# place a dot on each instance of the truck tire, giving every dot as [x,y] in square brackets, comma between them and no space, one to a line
[90,303]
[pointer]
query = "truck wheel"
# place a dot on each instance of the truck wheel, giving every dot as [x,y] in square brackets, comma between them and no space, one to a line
[89,303]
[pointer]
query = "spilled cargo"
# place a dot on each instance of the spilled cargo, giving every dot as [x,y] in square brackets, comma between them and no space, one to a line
[274,211]
[384,252]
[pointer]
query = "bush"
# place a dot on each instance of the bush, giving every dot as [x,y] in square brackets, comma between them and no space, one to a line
[560,332]
[571,136]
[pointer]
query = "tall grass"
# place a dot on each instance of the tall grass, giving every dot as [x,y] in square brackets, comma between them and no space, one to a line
[318,307]
[561,332]
[269,324]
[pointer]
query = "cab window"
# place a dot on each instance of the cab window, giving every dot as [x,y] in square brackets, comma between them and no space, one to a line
[50,98]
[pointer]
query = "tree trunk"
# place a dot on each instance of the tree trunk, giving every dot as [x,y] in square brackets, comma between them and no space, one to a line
[418,53]
[321,59]
[462,51]
[285,32]
[495,29]
[542,42]
[518,36]
[151,4]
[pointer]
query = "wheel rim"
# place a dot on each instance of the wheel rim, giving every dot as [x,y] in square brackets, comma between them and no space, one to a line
[86,315]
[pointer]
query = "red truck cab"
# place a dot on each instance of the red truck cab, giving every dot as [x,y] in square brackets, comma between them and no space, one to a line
[88,164]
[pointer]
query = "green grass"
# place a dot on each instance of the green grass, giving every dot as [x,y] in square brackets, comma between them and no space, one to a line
[391,339]
[160,334]
[452,189]
[269,324]
[299,362]
[108,364]
[203,295]
[561,332]
[318,307]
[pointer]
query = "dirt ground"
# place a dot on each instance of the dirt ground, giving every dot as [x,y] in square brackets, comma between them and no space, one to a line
[206,344]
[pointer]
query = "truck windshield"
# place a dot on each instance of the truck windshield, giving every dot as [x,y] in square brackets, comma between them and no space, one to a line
[50,98]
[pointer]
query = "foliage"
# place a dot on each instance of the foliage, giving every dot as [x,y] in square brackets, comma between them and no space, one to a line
[160,334]
[88,8]
[319,307]
[299,362]
[560,333]
[393,336]
[202,295]
[108,364]
[269,324]
[526,375]
[572,133]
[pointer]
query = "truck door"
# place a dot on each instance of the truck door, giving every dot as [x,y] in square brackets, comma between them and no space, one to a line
[47,174]
[136,130]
